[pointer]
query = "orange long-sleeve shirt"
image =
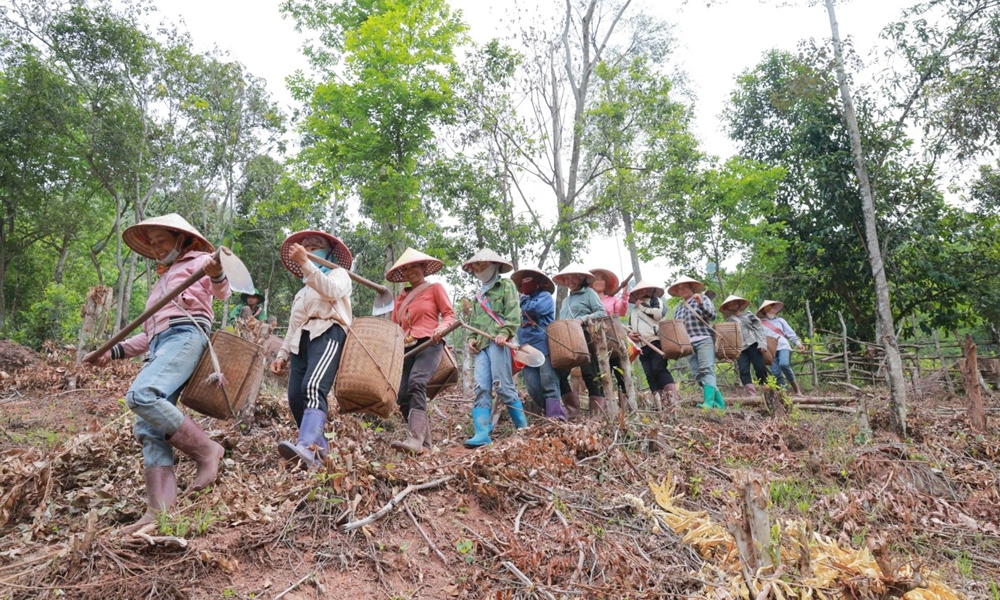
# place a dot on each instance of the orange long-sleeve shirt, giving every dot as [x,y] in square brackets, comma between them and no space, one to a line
[421,316]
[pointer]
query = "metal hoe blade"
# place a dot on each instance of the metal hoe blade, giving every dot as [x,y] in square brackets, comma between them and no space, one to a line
[237,273]
[384,303]
[529,356]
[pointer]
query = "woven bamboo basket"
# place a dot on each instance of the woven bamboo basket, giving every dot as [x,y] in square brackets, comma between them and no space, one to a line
[614,334]
[772,350]
[567,344]
[242,365]
[371,367]
[728,340]
[445,376]
[674,340]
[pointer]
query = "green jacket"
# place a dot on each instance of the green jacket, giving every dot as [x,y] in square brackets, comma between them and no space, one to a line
[235,312]
[582,304]
[505,302]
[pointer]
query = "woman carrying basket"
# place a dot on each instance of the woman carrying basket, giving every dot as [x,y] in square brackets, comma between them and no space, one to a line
[754,341]
[777,327]
[697,313]
[174,340]
[497,311]
[644,324]
[317,330]
[538,309]
[583,304]
[424,312]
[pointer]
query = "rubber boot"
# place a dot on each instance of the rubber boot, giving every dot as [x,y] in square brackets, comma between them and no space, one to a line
[795,387]
[414,442]
[708,395]
[554,409]
[750,389]
[161,492]
[516,411]
[482,421]
[193,441]
[599,406]
[310,434]
[718,401]
[671,397]
[427,439]
[572,403]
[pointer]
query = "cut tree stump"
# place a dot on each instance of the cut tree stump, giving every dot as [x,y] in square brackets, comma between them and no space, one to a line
[753,529]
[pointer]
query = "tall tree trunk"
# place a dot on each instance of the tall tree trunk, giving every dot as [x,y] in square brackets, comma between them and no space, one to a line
[63,255]
[633,252]
[897,380]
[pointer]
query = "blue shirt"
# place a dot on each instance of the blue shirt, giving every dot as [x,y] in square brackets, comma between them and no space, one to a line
[541,308]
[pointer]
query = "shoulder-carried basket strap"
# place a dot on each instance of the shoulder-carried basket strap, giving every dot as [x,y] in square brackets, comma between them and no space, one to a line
[216,376]
[410,297]
[773,328]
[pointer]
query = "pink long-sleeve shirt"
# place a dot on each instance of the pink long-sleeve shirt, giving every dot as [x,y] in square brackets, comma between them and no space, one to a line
[196,300]
[615,306]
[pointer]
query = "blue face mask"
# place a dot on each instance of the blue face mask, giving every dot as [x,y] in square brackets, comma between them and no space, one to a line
[322,253]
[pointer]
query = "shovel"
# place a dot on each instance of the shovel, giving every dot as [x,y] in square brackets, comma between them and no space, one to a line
[239,281]
[416,350]
[384,302]
[525,354]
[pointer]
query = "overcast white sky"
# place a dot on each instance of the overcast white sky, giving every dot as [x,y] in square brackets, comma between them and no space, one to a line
[715,44]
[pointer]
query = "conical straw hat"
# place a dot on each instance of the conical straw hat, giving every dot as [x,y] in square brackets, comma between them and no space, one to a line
[487,255]
[767,303]
[545,282]
[743,302]
[410,257]
[574,269]
[340,250]
[644,285]
[698,287]
[608,276]
[136,237]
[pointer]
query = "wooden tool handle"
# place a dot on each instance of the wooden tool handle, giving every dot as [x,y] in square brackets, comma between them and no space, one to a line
[646,343]
[423,345]
[354,276]
[622,286]
[486,335]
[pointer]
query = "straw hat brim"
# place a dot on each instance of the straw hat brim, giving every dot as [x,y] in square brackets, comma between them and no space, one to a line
[136,237]
[487,255]
[610,277]
[560,277]
[641,286]
[412,257]
[767,303]
[340,250]
[546,282]
[743,303]
[697,286]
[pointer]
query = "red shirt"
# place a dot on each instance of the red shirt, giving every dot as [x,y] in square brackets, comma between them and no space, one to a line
[421,316]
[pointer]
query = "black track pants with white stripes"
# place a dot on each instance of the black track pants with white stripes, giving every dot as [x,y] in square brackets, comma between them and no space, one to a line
[313,369]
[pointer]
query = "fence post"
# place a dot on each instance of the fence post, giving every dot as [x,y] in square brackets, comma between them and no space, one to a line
[812,346]
[944,367]
[847,354]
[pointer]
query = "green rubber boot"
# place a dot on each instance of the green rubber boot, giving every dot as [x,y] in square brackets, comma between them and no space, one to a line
[718,401]
[708,393]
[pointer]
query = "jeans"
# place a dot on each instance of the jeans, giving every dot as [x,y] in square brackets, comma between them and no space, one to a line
[702,362]
[313,370]
[173,357]
[655,367]
[542,382]
[781,368]
[417,371]
[752,356]
[493,372]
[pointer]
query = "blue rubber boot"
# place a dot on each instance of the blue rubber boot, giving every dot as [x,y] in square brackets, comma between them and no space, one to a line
[708,395]
[310,434]
[718,400]
[517,415]
[482,421]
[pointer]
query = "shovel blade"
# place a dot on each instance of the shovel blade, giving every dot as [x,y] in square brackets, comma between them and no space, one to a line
[383,305]
[236,272]
[529,356]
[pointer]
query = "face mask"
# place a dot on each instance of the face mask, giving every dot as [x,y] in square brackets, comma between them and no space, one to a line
[488,273]
[170,258]
[322,253]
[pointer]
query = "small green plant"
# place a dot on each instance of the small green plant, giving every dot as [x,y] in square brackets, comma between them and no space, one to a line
[467,549]
[964,563]
[175,526]
[791,493]
[228,592]
[694,486]
[203,520]
[994,591]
